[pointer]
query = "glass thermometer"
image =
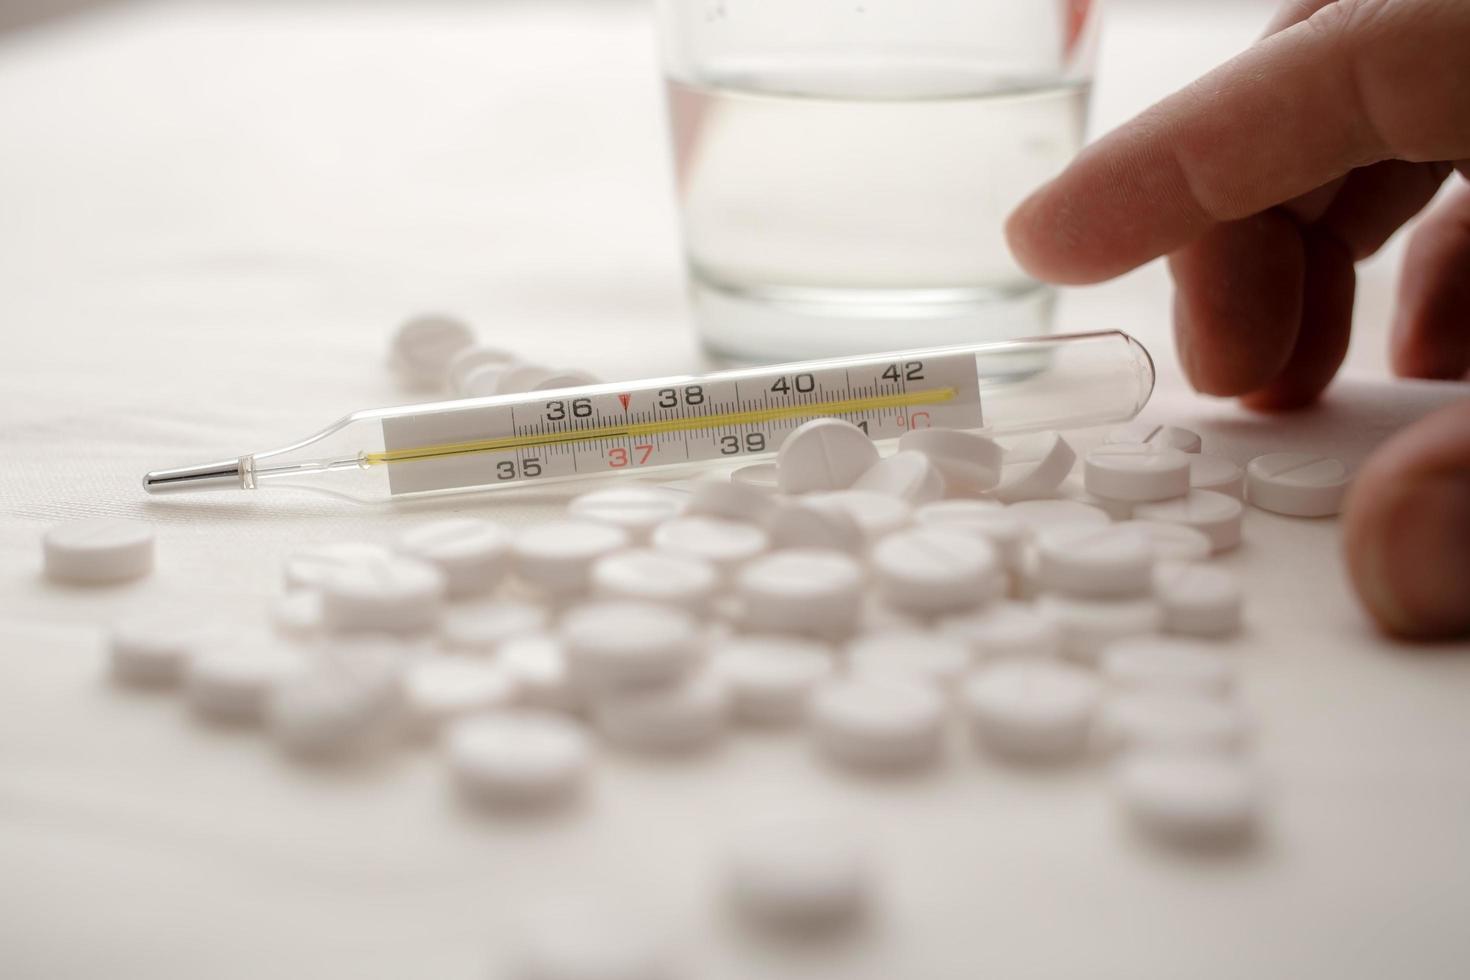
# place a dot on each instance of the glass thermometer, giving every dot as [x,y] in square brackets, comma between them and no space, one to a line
[474,444]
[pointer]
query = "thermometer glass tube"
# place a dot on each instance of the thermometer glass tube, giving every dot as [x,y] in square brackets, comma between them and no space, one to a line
[476,444]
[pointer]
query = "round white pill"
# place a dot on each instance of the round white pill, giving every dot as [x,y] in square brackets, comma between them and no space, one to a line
[1171,542]
[730,500]
[1189,800]
[824,454]
[101,551]
[484,626]
[230,684]
[1004,630]
[687,714]
[1034,467]
[1156,436]
[1218,474]
[350,700]
[440,688]
[637,510]
[1075,488]
[153,650]
[770,678]
[1095,561]
[517,758]
[470,360]
[878,616]
[1039,515]
[519,378]
[914,654]
[793,524]
[537,667]
[423,347]
[557,556]
[656,576]
[1031,711]
[909,476]
[760,476]
[1215,515]
[400,595]
[929,570]
[968,461]
[483,381]
[1182,720]
[1132,472]
[1088,625]
[1296,484]
[806,591]
[623,643]
[876,513]
[957,512]
[987,519]
[724,544]
[562,378]
[1198,600]
[298,614]
[473,554]
[305,569]
[1153,662]
[799,875]
[878,722]
[1027,448]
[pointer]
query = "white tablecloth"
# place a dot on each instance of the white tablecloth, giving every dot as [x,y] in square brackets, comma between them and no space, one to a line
[210,218]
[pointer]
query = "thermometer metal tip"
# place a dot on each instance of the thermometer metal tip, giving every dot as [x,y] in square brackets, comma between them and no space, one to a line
[226,474]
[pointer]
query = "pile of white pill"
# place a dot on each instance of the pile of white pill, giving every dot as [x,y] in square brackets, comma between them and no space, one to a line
[438,352]
[1061,611]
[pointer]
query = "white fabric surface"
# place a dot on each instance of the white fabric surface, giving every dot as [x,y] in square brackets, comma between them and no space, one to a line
[210,218]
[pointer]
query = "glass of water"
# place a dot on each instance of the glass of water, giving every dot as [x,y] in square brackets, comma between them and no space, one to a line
[845,167]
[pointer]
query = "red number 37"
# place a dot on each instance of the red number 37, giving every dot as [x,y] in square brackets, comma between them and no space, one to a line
[617,457]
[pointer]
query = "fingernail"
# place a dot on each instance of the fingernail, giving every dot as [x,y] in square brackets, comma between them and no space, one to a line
[1415,572]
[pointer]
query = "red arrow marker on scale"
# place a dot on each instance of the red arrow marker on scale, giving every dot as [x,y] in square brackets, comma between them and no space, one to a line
[624,400]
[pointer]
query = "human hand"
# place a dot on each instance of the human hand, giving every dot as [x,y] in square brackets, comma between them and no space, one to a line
[1264,182]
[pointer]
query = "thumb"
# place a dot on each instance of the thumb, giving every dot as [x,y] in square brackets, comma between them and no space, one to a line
[1408,528]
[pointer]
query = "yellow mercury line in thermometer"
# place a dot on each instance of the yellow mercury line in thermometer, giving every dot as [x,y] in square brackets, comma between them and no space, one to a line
[475,444]
[841,406]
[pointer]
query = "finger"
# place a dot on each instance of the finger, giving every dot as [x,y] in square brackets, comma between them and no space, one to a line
[1321,340]
[1431,331]
[1375,201]
[1237,302]
[1293,12]
[1356,83]
[1408,528]
[1310,206]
